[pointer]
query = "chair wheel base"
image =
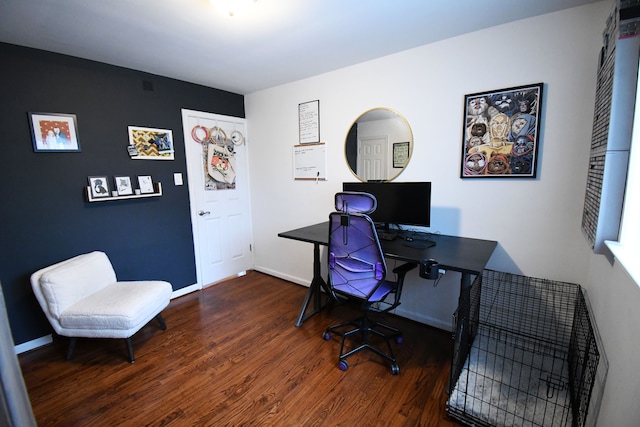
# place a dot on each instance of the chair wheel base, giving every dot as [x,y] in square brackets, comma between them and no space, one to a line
[363,328]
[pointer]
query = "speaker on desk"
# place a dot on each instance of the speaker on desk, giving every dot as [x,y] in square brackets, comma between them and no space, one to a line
[429,269]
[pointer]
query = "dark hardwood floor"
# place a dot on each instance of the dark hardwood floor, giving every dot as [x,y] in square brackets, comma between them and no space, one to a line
[231,356]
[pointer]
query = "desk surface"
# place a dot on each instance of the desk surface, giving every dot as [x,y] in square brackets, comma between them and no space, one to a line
[452,253]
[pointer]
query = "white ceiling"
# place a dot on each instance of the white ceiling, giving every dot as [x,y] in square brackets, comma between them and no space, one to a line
[276,42]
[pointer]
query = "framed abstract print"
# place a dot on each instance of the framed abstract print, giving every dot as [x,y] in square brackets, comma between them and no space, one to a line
[145,184]
[123,185]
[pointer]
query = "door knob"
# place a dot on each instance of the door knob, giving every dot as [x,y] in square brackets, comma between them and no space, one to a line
[202,213]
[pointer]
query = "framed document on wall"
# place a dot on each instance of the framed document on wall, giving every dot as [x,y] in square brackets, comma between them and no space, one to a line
[400,154]
[309,122]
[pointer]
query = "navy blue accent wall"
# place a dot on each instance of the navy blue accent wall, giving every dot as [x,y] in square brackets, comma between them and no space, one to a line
[44,216]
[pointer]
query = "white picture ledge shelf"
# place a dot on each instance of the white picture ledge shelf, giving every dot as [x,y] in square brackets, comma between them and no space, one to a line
[157,186]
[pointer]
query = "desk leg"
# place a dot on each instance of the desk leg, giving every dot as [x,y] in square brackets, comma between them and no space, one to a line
[465,281]
[317,284]
[464,301]
[462,334]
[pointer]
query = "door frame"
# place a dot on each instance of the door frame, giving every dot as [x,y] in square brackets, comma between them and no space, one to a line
[195,226]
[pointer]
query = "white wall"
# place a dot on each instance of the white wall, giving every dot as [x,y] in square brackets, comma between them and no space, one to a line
[615,300]
[535,221]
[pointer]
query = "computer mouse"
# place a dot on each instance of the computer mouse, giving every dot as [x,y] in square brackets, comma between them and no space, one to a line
[409,239]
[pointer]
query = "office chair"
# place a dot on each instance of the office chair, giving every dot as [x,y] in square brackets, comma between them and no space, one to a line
[357,271]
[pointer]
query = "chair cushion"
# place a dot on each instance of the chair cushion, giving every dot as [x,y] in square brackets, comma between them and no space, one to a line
[76,279]
[385,288]
[119,306]
[370,290]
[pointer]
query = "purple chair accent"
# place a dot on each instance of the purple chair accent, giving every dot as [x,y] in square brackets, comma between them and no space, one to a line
[357,271]
[353,202]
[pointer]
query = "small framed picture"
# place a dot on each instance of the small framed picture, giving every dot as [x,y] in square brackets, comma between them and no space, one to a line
[99,186]
[145,184]
[400,154]
[309,122]
[123,185]
[54,132]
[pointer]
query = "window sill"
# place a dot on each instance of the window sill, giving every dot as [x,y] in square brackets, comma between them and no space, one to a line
[627,257]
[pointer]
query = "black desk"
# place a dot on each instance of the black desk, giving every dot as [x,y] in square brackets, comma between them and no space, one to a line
[461,254]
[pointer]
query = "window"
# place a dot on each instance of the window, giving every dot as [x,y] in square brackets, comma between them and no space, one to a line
[627,248]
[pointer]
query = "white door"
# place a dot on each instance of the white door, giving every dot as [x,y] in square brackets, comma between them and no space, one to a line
[372,158]
[216,150]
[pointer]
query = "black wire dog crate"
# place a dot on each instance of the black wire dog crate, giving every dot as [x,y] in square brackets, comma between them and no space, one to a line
[525,353]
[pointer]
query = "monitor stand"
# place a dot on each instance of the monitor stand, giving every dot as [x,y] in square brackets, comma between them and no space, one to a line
[386,233]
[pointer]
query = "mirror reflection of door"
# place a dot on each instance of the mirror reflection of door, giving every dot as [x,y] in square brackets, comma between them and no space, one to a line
[372,158]
[370,141]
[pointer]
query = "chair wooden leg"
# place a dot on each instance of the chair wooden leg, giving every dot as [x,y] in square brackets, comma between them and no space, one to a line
[72,346]
[163,325]
[130,349]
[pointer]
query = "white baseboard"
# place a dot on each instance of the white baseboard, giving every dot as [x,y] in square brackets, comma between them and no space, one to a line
[282,276]
[186,290]
[48,339]
[418,317]
[423,318]
[30,345]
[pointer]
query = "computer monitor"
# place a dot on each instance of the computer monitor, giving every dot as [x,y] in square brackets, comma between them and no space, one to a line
[399,203]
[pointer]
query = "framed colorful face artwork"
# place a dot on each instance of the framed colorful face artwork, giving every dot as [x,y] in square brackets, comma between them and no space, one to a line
[501,133]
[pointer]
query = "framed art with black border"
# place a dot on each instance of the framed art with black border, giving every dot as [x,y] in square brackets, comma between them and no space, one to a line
[309,122]
[501,133]
[145,184]
[123,185]
[54,132]
[99,186]
[400,154]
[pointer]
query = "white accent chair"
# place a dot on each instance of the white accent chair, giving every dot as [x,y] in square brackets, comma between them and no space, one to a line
[82,298]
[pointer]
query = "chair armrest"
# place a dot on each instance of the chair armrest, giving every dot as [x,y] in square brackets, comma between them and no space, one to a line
[400,271]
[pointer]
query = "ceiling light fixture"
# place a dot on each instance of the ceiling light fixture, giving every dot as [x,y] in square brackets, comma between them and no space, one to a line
[232,7]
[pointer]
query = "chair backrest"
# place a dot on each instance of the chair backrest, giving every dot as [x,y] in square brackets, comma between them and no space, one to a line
[356,261]
[63,284]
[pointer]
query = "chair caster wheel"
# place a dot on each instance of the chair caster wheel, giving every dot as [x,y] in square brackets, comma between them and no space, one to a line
[343,365]
[326,336]
[395,369]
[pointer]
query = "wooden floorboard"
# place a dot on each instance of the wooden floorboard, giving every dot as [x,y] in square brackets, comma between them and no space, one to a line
[231,356]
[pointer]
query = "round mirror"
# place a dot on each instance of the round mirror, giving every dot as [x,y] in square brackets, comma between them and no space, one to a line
[379,145]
